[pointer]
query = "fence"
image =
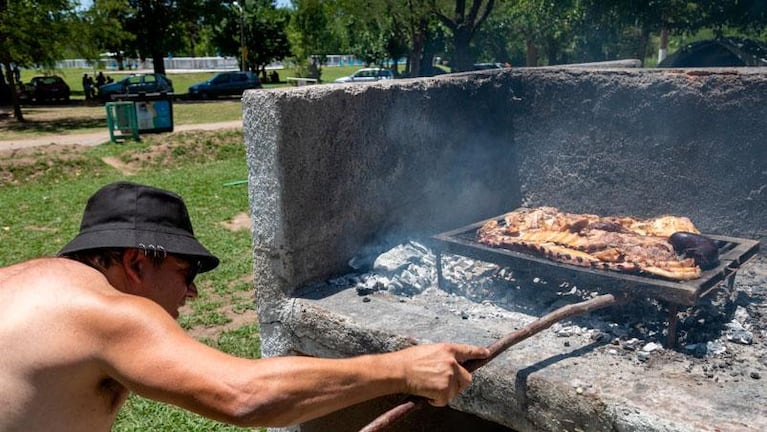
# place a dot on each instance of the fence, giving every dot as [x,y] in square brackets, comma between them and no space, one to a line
[171,63]
[197,63]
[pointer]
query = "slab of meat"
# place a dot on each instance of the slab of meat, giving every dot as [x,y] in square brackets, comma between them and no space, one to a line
[613,243]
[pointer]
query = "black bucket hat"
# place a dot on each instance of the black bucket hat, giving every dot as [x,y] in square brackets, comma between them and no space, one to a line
[130,215]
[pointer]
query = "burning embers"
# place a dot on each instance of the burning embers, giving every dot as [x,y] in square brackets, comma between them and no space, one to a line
[412,272]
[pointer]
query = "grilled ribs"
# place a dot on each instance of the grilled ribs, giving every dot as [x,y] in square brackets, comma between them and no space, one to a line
[612,243]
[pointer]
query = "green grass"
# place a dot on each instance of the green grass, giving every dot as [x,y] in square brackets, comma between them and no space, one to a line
[47,193]
[73,119]
[82,117]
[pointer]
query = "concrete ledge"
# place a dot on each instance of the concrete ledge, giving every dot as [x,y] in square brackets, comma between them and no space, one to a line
[546,383]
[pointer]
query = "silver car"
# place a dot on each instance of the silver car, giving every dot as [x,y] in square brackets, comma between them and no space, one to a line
[367,75]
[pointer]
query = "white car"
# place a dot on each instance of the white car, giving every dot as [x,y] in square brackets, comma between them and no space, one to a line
[367,75]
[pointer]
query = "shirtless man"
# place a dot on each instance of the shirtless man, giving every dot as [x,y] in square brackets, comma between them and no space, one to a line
[82,330]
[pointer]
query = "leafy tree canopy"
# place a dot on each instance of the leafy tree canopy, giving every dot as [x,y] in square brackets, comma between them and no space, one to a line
[261,25]
[32,33]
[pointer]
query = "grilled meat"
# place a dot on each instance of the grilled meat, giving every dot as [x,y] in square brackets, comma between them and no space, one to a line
[612,243]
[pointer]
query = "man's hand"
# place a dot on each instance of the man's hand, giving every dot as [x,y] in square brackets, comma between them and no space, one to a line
[434,371]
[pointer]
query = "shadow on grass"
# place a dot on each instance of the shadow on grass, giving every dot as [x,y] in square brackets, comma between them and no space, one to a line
[49,119]
[54,126]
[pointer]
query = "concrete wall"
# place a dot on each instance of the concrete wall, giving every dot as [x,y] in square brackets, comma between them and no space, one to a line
[338,170]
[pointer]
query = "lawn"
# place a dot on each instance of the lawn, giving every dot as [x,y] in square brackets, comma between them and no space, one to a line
[78,118]
[82,117]
[47,189]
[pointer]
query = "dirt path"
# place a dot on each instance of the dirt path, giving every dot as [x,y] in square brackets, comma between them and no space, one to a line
[96,138]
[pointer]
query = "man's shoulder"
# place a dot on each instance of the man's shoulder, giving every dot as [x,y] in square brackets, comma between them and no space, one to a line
[43,279]
[68,293]
[53,293]
[42,269]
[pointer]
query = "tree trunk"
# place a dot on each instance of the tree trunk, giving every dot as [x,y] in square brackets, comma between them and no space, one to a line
[120,60]
[552,49]
[428,51]
[158,59]
[531,57]
[417,52]
[461,39]
[464,24]
[17,114]
[418,36]
[663,49]
[644,42]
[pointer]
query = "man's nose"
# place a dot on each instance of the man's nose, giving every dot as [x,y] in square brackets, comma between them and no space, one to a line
[191,290]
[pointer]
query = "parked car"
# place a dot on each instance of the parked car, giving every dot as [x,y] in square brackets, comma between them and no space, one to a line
[487,66]
[225,84]
[136,84]
[367,75]
[47,88]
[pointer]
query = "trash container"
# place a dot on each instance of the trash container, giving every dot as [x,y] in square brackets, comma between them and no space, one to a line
[122,120]
[154,111]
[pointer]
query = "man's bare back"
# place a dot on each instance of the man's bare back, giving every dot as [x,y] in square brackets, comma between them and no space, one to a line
[49,366]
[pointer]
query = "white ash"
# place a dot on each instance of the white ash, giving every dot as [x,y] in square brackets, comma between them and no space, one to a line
[637,331]
[738,330]
[411,268]
[652,346]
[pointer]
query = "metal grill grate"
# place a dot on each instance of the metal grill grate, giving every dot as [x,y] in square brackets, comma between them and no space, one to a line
[733,253]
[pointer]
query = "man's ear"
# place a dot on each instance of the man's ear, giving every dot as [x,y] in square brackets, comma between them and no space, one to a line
[133,261]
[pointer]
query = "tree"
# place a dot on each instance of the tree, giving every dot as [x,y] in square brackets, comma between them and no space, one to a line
[267,37]
[535,27]
[311,36]
[162,27]
[463,24]
[424,33]
[749,16]
[498,40]
[640,19]
[32,33]
[392,29]
[373,32]
[194,17]
[265,34]
[100,30]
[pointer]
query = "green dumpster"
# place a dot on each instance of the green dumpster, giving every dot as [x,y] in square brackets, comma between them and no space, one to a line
[122,120]
[154,111]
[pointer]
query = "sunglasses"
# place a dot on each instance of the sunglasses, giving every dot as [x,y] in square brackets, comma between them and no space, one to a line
[192,271]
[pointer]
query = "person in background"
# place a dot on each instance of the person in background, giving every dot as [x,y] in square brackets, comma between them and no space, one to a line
[100,81]
[85,328]
[87,86]
[17,74]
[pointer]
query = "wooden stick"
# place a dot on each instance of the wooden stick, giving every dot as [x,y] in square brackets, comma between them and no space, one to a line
[496,348]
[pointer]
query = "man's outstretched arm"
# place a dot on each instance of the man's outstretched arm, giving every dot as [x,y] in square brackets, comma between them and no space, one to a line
[151,355]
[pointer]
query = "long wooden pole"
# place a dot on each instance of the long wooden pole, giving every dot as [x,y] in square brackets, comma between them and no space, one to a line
[496,348]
